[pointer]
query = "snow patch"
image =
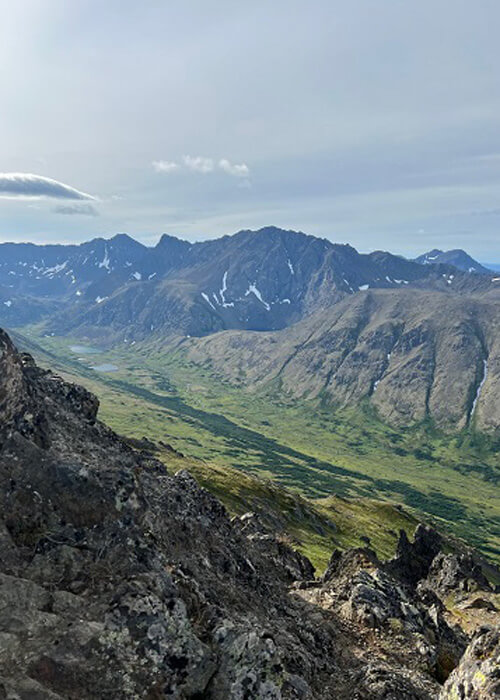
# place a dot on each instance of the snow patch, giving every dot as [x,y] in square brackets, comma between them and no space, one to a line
[480,387]
[105,262]
[8,303]
[252,289]
[222,292]
[207,299]
[363,287]
[223,289]
[290,266]
[137,276]
[51,271]
[99,300]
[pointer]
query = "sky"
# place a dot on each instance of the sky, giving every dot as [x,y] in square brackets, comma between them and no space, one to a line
[372,122]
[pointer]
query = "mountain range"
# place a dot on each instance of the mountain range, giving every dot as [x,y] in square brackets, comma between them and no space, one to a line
[253,280]
[415,339]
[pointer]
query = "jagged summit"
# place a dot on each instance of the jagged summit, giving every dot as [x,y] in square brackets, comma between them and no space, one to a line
[120,580]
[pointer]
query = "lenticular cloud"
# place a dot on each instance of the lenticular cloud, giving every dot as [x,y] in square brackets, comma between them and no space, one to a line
[29,186]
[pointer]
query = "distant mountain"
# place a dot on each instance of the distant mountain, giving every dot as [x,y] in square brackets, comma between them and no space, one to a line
[254,280]
[458,258]
[119,289]
[66,271]
[412,354]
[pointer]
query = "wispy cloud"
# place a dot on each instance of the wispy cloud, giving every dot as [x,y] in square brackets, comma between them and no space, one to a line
[238,170]
[164,166]
[199,163]
[76,210]
[29,186]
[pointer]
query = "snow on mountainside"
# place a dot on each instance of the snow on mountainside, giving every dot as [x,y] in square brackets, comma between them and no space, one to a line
[60,270]
[253,280]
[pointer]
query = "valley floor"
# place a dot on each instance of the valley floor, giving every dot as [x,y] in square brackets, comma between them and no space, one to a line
[322,454]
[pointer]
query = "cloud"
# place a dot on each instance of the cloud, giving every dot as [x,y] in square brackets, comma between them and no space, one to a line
[199,163]
[76,209]
[240,170]
[29,186]
[164,166]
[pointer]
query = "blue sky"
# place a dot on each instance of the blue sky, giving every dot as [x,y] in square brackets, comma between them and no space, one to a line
[369,122]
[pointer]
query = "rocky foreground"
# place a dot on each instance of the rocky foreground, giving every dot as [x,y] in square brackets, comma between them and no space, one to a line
[118,580]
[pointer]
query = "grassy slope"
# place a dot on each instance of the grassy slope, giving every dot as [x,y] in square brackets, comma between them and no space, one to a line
[315,527]
[315,451]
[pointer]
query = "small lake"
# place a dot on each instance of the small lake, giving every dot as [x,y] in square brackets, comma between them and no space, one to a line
[105,367]
[84,349]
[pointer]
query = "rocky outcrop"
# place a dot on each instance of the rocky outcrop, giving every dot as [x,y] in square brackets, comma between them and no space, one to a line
[457,573]
[119,580]
[478,675]
[382,598]
[413,559]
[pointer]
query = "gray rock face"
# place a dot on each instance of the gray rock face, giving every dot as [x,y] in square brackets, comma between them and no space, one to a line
[413,559]
[450,572]
[478,675]
[121,581]
[379,597]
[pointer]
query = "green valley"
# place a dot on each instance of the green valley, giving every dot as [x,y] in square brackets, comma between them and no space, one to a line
[346,467]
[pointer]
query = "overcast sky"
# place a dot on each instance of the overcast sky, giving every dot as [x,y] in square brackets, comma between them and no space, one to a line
[373,122]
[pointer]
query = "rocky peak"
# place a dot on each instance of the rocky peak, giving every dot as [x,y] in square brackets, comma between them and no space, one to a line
[413,559]
[458,258]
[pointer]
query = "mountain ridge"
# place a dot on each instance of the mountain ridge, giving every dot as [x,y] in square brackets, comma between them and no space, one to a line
[412,355]
[256,280]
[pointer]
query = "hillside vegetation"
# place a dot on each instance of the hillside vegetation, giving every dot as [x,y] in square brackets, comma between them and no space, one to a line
[314,451]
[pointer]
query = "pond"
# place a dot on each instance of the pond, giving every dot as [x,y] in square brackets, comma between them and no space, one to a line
[105,367]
